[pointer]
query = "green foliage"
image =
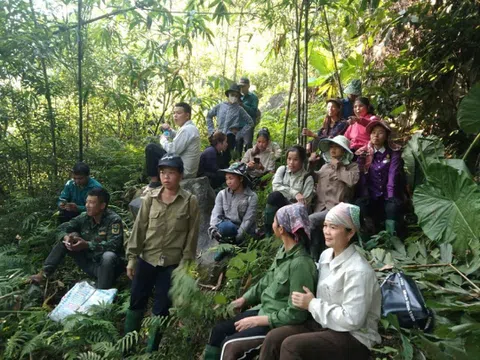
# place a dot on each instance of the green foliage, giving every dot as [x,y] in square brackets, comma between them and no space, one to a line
[468,111]
[447,206]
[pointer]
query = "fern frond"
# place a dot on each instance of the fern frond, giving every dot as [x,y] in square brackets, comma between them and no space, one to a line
[126,343]
[89,356]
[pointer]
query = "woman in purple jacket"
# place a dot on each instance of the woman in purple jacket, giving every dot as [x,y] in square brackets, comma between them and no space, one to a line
[381,178]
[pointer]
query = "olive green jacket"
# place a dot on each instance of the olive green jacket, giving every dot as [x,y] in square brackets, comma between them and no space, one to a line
[290,271]
[165,234]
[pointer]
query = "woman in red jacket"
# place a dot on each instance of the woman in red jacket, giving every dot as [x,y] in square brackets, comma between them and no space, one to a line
[357,131]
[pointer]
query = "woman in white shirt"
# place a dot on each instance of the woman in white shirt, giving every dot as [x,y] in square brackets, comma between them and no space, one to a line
[348,303]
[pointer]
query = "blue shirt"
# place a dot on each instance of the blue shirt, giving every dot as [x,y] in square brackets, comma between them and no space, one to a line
[75,194]
[347,108]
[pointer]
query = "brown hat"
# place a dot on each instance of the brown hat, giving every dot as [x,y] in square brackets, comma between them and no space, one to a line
[378,123]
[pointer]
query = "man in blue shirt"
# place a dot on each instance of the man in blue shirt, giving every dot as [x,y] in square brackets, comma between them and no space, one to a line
[353,90]
[72,199]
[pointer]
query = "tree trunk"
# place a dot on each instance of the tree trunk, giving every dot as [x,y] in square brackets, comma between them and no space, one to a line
[305,74]
[298,19]
[51,117]
[238,44]
[80,101]
[289,103]
[337,74]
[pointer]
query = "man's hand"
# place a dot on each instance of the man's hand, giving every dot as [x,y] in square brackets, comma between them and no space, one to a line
[78,245]
[130,273]
[247,323]
[71,207]
[299,197]
[301,300]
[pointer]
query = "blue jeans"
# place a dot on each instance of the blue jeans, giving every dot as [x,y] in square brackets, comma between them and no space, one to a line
[227,229]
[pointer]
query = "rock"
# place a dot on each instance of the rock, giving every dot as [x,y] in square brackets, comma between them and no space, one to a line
[276,101]
[200,187]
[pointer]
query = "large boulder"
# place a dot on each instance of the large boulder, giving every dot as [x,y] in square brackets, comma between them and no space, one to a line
[200,187]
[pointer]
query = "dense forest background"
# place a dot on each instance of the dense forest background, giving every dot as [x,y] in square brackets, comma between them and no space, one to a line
[94,79]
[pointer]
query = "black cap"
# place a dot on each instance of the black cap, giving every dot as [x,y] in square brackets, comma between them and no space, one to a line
[234,88]
[244,81]
[171,160]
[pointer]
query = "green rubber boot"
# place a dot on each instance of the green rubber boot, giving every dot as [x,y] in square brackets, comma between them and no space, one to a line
[133,321]
[154,338]
[391,226]
[212,353]
[269,216]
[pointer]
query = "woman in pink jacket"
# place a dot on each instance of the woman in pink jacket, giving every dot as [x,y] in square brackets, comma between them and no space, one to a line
[357,132]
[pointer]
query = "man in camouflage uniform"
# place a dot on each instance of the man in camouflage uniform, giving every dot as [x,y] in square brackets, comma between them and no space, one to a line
[94,239]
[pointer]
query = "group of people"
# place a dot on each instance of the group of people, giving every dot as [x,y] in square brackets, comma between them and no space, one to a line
[316,214]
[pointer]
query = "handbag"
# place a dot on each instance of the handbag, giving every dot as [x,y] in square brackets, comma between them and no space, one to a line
[402,297]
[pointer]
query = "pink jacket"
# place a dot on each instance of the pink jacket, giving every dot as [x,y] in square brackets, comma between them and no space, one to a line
[357,133]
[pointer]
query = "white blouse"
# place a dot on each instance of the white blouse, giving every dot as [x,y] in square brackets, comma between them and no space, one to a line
[348,296]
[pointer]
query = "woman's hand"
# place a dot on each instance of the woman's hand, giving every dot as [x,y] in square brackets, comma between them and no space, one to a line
[299,197]
[302,300]
[352,120]
[251,164]
[238,303]
[306,132]
[250,322]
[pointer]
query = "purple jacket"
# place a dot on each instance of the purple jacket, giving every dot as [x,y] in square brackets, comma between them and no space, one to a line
[383,178]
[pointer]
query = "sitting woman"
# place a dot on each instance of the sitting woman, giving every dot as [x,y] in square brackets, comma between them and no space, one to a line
[381,178]
[347,308]
[214,158]
[233,216]
[335,184]
[291,270]
[357,131]
[332,126]
[260,159]
[291,183]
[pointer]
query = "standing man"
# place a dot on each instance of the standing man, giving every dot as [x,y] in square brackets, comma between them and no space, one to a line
[164,236]
[232,119]
[184,143]
[353,90]
[250,104]
[94,239]
[71,201]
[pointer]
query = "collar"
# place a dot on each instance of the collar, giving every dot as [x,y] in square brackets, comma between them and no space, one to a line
[92,220]
[295,250]
[335,262]
[381,150]
[155,193]
[188,122]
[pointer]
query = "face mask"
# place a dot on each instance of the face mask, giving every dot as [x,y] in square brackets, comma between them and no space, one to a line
[232,98]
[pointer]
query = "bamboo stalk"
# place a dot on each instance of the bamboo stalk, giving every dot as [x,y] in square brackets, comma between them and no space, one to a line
[464,158]
[465,277]
[289,103]
[333,51]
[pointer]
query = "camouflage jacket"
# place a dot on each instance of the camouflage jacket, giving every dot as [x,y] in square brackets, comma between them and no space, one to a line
[105,236]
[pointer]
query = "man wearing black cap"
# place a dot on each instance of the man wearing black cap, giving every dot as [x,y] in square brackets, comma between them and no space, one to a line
[232,119]
[250,104]
[164,235]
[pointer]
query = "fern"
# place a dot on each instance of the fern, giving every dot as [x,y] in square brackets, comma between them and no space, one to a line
[89,356]
[16,343]
[127,343]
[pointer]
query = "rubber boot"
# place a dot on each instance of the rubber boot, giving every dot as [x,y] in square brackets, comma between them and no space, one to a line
[390,227]
[211,353]
[154,338]
[133,320]
[269,216]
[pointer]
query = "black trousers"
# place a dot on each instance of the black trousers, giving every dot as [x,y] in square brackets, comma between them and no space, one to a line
[105,270]
[146,278]
[153,153]
[379,209]
[238,345]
